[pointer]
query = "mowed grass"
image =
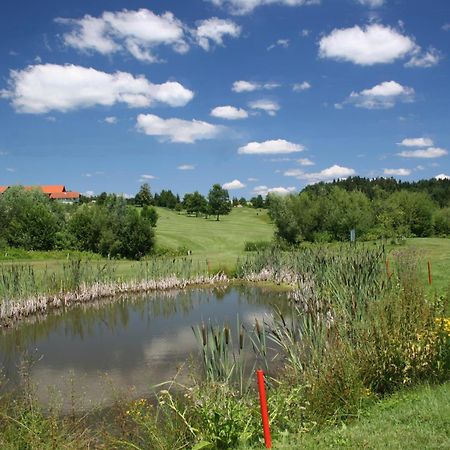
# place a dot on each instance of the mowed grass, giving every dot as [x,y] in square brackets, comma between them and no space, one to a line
[219,242]
[437,251]
[414,419]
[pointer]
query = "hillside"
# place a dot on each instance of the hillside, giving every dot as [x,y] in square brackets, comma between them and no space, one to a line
[219,242]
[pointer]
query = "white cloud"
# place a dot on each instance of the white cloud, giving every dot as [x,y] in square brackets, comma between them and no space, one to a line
[373,44]
[50,87]
[333,172]
[10,169]
[146,177]
[269,106]
[89,193]
[264,190]
[177,130]
[235,184]
[279,43]
[250,86]
[426,59]
[214,30]
[416,142]
[371,3]
[229,113]
[240,7]
[305,32]
[273,147]
[111,120]
[397,172]
[186,167]
[446,27]
[428,153]
[442,176]
[252,180]
[299,87]
[305,162]
[382,96]
[138,32]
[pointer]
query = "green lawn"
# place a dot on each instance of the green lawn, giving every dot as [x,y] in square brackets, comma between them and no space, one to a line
[219,242]
[415,419]
[437,251]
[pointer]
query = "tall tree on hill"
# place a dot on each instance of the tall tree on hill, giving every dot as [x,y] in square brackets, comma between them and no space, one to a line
[144,196]
[219,201]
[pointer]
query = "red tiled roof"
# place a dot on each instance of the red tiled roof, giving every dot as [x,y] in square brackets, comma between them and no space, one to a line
[3,189]
[64,195]
[51,189]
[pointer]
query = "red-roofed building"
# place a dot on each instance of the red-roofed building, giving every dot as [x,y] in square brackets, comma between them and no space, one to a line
[54,192]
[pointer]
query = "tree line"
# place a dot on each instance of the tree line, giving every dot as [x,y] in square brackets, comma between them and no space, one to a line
[376,209]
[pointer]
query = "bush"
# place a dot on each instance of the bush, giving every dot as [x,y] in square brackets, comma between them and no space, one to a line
[255,246]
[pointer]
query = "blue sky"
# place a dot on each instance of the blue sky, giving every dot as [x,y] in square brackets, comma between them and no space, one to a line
[258,95]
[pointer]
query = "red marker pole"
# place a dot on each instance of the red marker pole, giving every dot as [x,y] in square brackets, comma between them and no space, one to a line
[430,277]
[264,413]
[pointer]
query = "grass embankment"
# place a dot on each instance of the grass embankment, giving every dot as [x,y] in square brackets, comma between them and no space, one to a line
[414,419]
[221,242]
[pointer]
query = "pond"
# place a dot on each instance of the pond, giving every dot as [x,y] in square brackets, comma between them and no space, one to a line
[83,357]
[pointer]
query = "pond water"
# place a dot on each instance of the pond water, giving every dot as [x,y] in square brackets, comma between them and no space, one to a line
[95,351]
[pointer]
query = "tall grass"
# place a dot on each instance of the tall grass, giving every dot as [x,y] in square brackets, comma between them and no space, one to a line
[25,291]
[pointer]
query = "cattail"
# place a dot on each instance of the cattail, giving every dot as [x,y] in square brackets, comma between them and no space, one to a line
[204,335]
[227,335]
[241,338]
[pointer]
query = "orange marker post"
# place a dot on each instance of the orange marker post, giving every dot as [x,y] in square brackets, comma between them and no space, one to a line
[264,413]
[430,276]
[388,271]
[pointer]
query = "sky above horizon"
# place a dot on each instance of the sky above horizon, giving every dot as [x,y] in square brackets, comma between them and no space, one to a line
[257,95]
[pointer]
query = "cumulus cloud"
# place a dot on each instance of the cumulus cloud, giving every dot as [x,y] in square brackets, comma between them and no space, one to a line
[299,87]
[269,106]
[214,30]
[397,172]
[327,174]
[146,177]
[382,96]
[446,27]
[428,153]
[177,130]
[416,142]
[229,113]
[111,120]
[305,162]
[426,59]
[273,147]
[279,43]
[235,184]
[371,3]
[265,190]
[50,87]
[250,86]
[442,176]
[240,7]
[186,167]
[138,32]
[372,44]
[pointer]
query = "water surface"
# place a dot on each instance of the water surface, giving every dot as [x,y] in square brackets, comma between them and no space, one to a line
[130,344]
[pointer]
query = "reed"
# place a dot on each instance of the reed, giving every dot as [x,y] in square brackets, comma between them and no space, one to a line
[23,292]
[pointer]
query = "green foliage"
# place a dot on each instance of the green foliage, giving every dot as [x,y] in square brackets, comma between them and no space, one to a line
[28,219]
[328,213]
[442,221]
[219,201]
[195,203]
[255,246]
[114,229]
[150,214]
[144,196]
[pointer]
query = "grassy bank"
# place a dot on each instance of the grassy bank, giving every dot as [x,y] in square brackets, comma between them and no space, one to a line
[415,419]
